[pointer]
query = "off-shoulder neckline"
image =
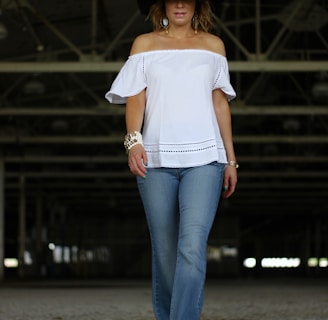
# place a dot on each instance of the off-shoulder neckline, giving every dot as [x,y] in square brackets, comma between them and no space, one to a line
[176,51]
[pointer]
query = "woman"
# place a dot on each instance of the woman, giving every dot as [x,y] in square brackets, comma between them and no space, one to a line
[176,86]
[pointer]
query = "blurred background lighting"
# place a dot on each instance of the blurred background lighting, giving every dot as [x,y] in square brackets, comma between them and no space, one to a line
[280,262]
[11,263]
[51,246]
[249,263]
[28,258]
[323,262]
[313,262]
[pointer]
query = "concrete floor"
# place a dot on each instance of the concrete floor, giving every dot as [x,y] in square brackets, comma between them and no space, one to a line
[226,299]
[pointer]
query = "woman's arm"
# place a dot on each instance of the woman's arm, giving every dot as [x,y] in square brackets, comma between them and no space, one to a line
[134,114]
[223,116]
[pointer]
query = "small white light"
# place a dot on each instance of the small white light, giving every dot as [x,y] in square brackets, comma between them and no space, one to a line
[249,263]
[11,263]
[67,255]
[57,254]
[51,246]
[323,262]
[312,262]
[28,258]
[280,262]
[229,251]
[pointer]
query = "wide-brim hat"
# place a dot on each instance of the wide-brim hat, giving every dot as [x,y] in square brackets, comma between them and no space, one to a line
[144,5]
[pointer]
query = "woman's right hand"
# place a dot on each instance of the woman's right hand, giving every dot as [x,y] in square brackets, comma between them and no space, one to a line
[137,160]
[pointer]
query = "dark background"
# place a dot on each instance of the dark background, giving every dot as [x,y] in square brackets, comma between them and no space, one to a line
[69,204]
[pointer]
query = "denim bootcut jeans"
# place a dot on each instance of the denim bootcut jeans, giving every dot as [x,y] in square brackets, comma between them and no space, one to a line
[180,206]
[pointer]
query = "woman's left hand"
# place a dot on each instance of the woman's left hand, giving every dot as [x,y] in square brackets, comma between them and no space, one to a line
[229,181]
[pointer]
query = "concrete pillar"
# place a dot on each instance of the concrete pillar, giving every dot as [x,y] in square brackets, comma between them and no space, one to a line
[317,241]
[38,233]
[306,247]
[22,225]
[2,216]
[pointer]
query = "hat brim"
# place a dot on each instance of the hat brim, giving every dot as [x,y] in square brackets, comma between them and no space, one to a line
[144,5]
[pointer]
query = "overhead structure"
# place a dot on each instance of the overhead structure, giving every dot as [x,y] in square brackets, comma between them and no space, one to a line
[61,142]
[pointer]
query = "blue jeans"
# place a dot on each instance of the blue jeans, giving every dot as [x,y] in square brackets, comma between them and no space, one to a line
[180,207]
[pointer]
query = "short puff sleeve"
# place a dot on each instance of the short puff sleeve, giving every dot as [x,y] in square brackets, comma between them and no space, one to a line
[222,79]
[129,81]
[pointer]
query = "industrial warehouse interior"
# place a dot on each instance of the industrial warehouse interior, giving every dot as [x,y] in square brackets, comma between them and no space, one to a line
[69,206]
[69,203]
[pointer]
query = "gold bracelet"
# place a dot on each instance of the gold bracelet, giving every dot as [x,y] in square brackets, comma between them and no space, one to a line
[232,163]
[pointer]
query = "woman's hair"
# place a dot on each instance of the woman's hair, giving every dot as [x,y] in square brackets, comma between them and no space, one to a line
[206,17]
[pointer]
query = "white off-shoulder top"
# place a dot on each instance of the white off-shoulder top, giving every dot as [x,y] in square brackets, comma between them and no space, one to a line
[180,127]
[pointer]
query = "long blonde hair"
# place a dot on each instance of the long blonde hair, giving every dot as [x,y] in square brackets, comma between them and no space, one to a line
[206,18]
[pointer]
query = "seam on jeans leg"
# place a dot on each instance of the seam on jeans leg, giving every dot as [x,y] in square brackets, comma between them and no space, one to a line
[199,304]
[157,313]
[174,286]
[155,280]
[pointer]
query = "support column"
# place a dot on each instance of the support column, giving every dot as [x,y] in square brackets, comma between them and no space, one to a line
[22,225]
[317,241]
[2,216]
[38,234]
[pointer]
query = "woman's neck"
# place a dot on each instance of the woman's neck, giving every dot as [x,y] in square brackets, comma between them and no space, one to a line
[180,32]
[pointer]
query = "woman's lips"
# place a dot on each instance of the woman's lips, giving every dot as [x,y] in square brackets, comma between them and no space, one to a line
[179,14]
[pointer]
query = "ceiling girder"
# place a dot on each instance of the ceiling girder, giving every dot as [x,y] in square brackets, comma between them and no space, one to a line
[110,185]
[49,170]
[112,109]
[55,30]
[115,66]
[123,159]
[118,138]
[310,174]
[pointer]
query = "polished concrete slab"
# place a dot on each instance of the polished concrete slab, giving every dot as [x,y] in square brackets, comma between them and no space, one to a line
[226,299]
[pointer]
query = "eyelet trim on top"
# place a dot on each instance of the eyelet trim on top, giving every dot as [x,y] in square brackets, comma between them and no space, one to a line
[181,148]
[182,151]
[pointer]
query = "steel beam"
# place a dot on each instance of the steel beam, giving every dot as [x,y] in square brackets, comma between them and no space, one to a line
[123,159]
[115,66]
[110,186]
[128,175]
[117,110]
[21,224]
[118,138]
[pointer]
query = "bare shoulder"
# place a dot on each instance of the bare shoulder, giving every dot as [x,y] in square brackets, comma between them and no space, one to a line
[142,43]
[214,43]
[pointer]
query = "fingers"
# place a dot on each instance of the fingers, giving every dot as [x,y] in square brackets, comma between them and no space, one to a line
[229,182]
[228,192]
[138,160]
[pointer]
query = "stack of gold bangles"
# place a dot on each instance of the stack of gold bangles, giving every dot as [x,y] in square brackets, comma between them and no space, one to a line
[232,163]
